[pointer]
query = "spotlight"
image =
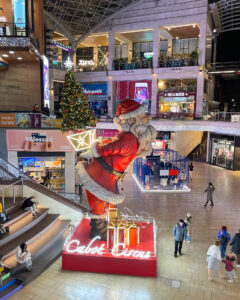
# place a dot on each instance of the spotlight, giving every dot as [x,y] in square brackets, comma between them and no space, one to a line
[11,52]
[5,55]
[19,58]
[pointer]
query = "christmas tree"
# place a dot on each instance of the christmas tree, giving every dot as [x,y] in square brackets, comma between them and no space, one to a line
[74,106]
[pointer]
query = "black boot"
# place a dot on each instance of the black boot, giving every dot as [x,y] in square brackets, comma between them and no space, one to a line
[98,228]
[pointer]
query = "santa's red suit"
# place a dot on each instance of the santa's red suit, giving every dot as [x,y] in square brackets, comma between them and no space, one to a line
[101,177]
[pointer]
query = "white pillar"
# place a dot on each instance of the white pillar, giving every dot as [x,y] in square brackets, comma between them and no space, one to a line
[156,46]
[111,49]
[70,172]
[202,43]
[154,95]
[110,96]
[208,145]
[200,87]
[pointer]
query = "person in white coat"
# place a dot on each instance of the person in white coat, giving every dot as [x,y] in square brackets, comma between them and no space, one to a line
[24,256]
[214,260]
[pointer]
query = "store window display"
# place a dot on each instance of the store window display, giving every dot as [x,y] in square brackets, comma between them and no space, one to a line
[222,153]
[39,167]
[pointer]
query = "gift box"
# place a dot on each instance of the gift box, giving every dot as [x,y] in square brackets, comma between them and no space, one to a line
[115,236]
[112,214]
[132,234]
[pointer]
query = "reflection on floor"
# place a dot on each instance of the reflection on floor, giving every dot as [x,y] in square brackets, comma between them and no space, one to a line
[182,278]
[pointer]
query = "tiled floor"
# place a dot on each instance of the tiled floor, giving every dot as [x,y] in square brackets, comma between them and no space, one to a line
[190,269]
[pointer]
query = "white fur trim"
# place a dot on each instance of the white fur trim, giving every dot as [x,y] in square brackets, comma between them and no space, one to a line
[92,152]
[133,114]
[97,189]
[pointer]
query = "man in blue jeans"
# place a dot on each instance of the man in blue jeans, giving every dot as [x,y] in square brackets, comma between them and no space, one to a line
[224,238]
[179,235]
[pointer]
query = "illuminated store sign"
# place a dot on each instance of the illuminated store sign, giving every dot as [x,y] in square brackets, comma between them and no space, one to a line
[46,81]
[62,46]
[75,247]
[93,92]
[176,94]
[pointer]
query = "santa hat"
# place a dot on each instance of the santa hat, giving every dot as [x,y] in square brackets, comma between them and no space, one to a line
[129,109]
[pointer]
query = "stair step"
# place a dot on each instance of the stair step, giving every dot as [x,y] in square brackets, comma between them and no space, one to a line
[16,215]
[48,255]
[11,290]
[22,225]
[32,234]
[10,206]
[36,246]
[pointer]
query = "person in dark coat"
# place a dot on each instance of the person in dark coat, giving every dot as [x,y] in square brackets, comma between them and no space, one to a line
[29,204]
[179,235]
[235,243]
[209,190]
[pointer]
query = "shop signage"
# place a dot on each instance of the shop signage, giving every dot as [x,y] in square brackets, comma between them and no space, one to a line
[95,89]
[93,92]
[175,94]
[62,46]
[107,132]
[75,247]
[30,140]
[7,120]
[235,118]
[84,63]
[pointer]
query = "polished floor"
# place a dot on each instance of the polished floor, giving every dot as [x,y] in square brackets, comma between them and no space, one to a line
[182,278]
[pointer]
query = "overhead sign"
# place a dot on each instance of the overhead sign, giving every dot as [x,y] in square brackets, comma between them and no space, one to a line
[62,46]
[95,89]
[175,94]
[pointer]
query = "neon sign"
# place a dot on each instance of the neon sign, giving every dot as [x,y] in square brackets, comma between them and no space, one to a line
[75,247]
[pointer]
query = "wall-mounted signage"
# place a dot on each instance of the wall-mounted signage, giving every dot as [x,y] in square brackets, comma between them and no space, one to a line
[62,46]
[95,89]
[175,94]
[46,81]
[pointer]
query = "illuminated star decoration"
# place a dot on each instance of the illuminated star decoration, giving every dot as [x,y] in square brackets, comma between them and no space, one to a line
[68,63]
[83,140]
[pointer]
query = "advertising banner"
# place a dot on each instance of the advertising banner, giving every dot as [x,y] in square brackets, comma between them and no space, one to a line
[7,120]
[35,120]
[37,140]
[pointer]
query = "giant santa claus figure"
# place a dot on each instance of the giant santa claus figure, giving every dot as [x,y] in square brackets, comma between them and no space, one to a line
[102,176]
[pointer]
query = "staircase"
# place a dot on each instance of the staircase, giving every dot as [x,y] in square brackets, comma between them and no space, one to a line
[200,151]
[44,234]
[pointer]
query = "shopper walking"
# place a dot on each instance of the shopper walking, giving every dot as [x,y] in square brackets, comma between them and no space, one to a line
[191,170]
[188,222]
[179,235]
[214,260]
[47,178]
[235,243]
[229,267]
[209,190]
[224,238]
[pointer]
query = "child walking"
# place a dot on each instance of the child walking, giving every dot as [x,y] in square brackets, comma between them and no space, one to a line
[188,222]
[229,267]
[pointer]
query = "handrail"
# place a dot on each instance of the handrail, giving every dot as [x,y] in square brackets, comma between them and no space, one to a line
[13,191]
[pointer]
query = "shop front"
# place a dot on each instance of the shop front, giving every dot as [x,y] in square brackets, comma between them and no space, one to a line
[176,98]
[140,91]
[97,94]
[42,153]
[224,151]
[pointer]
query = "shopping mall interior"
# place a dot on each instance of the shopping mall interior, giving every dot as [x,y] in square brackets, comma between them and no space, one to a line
[119,149]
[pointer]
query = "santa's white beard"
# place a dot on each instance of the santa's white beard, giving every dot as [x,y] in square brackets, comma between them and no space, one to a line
[145,134]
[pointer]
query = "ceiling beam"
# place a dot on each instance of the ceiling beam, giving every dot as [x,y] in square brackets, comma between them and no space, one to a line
[62,28]
[106,20]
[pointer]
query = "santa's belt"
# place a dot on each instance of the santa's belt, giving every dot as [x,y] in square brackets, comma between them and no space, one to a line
[109,168]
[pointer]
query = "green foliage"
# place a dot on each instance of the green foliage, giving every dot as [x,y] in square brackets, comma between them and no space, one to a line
[74,106]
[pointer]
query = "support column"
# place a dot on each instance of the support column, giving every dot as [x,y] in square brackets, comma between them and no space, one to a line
[208,145]
[110,96]
[156,46]
[111,49]
[95,55]
[154,95]
[169,50]
[70,172]
[202,43]
[200,87]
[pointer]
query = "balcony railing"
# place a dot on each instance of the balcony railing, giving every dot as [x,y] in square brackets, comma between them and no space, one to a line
[141,64]
[178,63]
[14,29]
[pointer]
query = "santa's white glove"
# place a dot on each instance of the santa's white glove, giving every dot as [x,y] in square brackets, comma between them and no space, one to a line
[92,152]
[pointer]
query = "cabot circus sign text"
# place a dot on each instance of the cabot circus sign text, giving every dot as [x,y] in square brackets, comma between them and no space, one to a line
[75,246]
